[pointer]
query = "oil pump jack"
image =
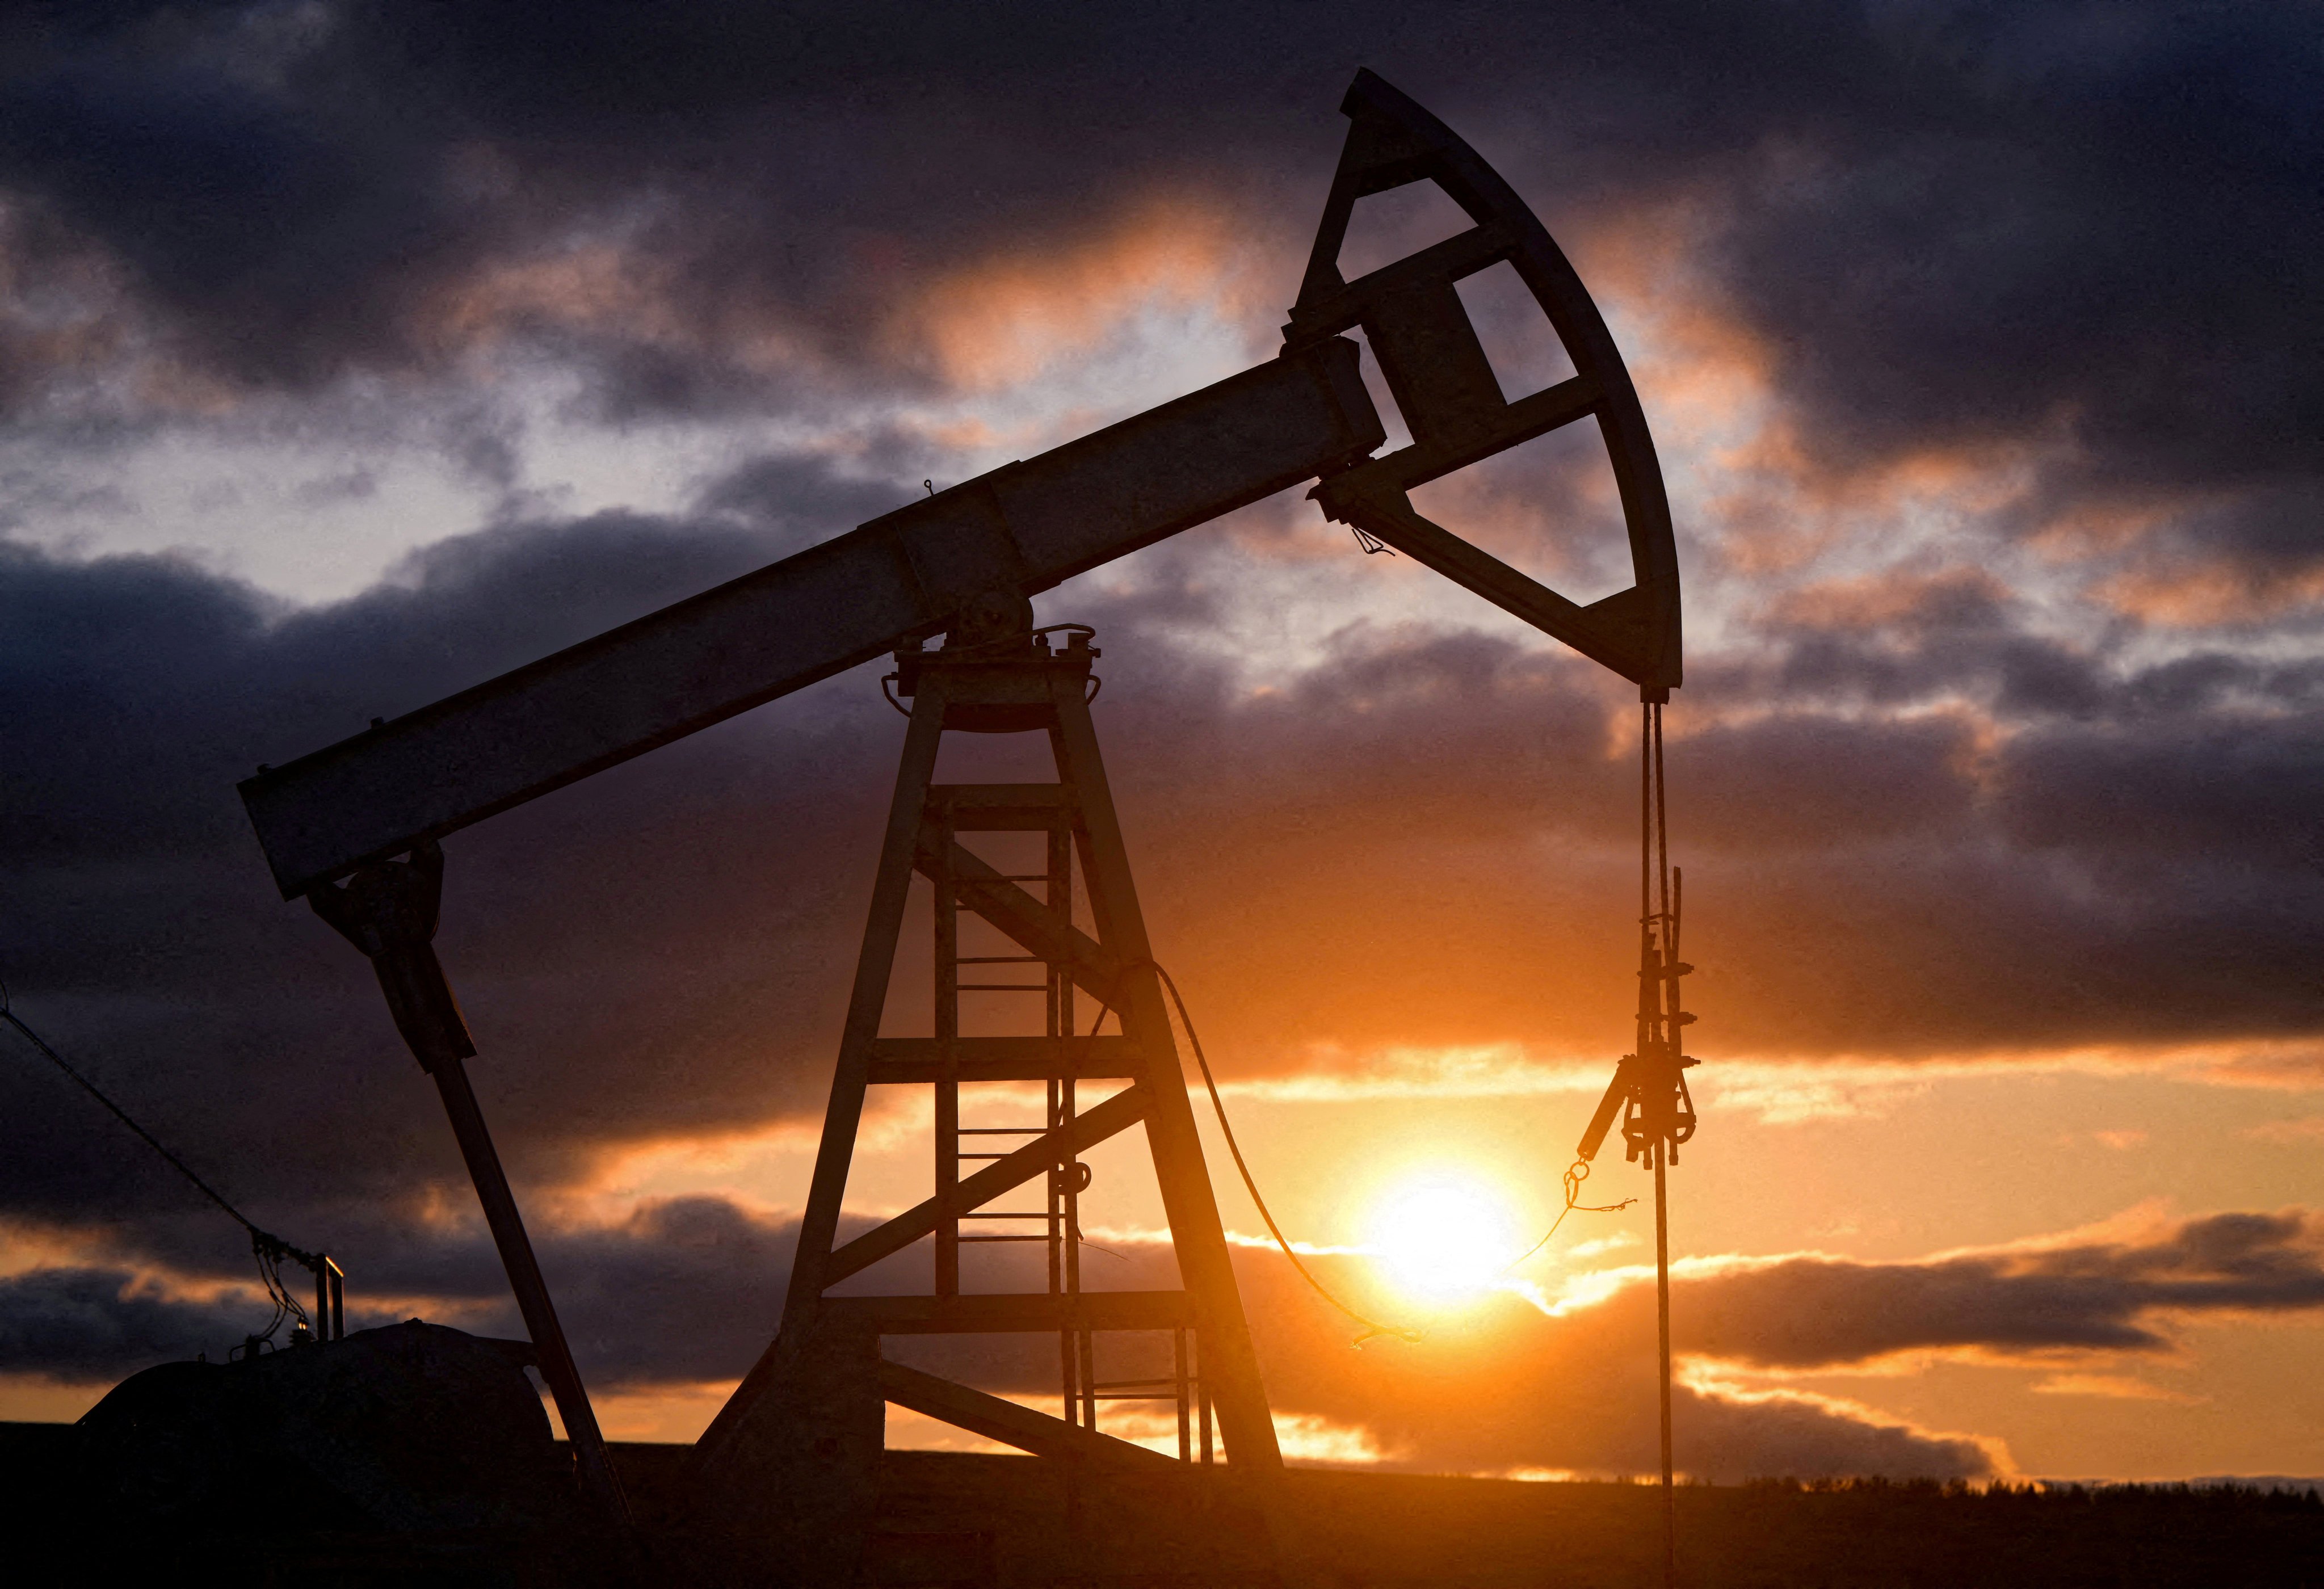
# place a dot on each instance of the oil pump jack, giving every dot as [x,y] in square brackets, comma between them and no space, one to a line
[354,829]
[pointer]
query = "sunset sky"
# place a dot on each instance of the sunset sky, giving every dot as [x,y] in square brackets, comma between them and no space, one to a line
[352,353]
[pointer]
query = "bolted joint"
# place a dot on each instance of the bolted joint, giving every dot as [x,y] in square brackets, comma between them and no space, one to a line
[388,904]
[992,619]
[389,911]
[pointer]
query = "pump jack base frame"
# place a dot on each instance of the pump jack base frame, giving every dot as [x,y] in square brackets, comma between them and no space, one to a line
[794,1454]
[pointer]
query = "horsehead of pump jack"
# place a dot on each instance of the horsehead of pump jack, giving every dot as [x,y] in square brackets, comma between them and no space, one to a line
[355,828]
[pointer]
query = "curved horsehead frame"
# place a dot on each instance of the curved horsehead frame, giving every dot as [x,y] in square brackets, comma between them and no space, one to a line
[1451,401]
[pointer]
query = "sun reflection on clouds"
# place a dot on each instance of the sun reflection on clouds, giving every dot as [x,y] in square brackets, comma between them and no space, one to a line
[765,1169]
[1773,1089]
[2113,1388]
[1015,316]
[1328,1073]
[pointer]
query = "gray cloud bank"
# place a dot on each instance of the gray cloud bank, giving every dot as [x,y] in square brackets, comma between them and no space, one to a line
[665,950]
[686,1291]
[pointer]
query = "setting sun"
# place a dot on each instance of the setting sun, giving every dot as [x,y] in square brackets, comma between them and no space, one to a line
[1443,1237]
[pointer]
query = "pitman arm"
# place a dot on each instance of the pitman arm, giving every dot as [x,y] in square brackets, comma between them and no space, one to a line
[1027,527]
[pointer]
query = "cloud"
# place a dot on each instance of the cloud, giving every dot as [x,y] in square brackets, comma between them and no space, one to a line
[1409,872]
[1941,224]
[2029,1301]
[1989,334]
[684,1292]
[144,943]
[687,1291]
[85,1324]
[2288,1132]
[2112,1388]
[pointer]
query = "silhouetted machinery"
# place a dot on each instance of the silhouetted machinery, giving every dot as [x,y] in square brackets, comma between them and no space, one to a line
[355,829]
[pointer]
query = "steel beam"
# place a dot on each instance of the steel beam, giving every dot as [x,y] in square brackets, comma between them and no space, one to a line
[1015,1312]
[1013,1425]
[1004,808]
[1045,1152]
[1450,398]
[1026,527]
[1198,1236]
[983,888]
[902,1060]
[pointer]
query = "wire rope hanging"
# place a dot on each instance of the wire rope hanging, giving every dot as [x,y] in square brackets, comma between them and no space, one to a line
[1649,1091]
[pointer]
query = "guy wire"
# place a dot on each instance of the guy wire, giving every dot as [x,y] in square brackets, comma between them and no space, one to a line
[269,1248]
[121,1114]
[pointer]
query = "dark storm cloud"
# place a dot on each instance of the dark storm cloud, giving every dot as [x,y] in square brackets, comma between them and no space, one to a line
[279,229]
[2113,1295]
[688,1292]
[2098,216]
[2127,859]
[1908,641]
[1416,842]
[142,939]
[2200,787]
[79,1324]
[1947,223]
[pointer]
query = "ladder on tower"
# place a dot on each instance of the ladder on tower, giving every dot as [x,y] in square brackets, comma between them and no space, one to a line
[954,810]
[799,1442]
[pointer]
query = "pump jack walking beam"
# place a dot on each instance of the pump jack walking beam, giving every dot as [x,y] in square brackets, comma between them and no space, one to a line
[354,807]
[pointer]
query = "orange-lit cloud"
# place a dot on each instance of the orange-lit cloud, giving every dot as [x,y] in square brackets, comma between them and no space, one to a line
[2113,1388]
[2308,1129]
[2181,592]
[1011,316]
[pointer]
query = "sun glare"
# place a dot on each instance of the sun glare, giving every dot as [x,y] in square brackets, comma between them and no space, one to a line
[1444,1238]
